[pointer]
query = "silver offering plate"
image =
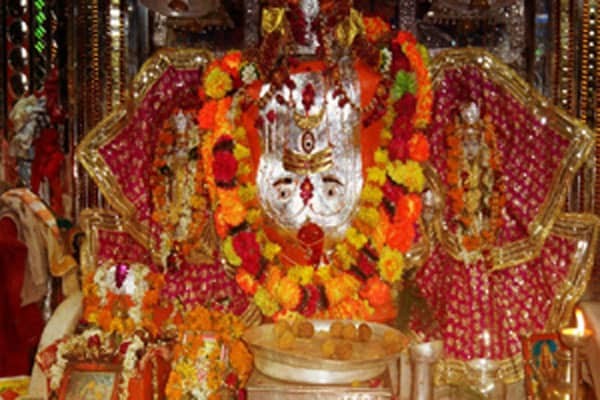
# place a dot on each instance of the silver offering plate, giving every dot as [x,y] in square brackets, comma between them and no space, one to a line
[303,363]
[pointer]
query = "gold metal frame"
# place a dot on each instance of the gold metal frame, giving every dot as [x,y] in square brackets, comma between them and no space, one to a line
[579,136]
[94,220]
[584,228]
[88,151]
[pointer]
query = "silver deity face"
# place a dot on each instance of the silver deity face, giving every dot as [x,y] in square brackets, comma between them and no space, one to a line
[310,169]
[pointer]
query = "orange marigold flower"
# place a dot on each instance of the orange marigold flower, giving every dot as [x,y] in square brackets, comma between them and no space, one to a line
[350,308]
[376,292]
[405,37]
[241,360]
[418,147]
[273,276]
[206,115]
[233,211]
[375,28]
[400,235]
[246,281]
[471,243]
[231,62]
[408,208]
[289,293]
[340,288]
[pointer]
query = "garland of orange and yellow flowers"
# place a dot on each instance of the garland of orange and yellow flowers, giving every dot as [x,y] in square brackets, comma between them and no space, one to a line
[169,216]
[494,197]
[209,355]
[122,298]
[382,230]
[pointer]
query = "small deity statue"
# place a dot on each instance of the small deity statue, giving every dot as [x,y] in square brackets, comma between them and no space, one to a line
[477,179]
[180,210]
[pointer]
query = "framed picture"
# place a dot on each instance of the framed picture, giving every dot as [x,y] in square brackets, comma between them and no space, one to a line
[90,381]
[539,359]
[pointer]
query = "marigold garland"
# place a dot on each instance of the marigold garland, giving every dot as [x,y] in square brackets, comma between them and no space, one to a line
[126,308]
[380,234]
[489,195]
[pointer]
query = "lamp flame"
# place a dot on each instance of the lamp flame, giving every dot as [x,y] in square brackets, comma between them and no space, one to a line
[580,322]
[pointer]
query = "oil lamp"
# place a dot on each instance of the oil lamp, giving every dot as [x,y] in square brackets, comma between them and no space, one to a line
[575,339]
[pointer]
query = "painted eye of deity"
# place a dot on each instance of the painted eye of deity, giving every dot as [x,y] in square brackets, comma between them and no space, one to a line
[332,186]
[283,187]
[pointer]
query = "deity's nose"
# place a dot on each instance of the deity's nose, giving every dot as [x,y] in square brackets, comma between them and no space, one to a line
[306,190]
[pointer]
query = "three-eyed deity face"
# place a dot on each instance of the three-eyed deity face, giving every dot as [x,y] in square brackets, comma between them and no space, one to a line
[310,170]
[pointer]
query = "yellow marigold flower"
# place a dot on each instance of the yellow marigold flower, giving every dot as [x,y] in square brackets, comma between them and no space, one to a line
[424,53]
[289,293]
[381,156]
[356,238]
[341,288]
[254,215]
[271,250]
[376,175]
[244,169]
[324,273]
[217,83]
[344,255]
[409,174]
[240,152]
[247,193]
[230,254]
[369,216]
[388,119]
[239,134]
[265,302]
[301,274]
[390,265]
[371,194]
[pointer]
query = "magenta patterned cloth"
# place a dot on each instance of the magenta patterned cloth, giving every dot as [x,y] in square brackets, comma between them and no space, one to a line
[129,155]
[480,313]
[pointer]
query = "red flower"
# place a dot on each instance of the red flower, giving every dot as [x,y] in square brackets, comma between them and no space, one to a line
[123,347]
[93,341]
[309,303]
[366,266]
[399,61]
[402,127]
[224,167]
[406,106]
[247,248]
[231,380]
[392,191]
[398,149]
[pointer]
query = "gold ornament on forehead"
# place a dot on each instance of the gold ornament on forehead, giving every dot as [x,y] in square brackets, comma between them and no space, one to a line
[309,122]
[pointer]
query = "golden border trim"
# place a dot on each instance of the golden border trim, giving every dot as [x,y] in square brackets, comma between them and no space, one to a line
[584,228]
[88,151]
[94,220]
[579,135]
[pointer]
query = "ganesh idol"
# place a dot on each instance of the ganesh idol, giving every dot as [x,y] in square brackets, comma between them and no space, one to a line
[315,147]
